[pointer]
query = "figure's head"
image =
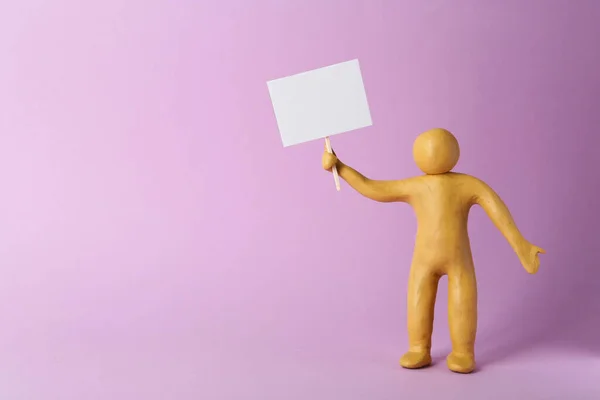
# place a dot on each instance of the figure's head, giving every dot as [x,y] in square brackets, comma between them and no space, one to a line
[436,151]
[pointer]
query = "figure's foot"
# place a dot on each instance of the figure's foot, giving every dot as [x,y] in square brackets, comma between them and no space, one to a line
[461,363]
[416,359]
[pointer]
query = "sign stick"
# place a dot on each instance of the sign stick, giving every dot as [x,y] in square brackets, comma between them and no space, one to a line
[336,177]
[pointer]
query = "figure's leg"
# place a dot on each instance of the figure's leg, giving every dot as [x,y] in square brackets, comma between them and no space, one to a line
[422,290]
[462,315]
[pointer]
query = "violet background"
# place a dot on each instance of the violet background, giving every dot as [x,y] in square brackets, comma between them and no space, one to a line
[158,242]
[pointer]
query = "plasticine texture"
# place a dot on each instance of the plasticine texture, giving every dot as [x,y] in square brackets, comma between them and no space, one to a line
[441,200]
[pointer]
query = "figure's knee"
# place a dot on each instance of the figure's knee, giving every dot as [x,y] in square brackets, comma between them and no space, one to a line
[462,310]
[423,281]
[462,288]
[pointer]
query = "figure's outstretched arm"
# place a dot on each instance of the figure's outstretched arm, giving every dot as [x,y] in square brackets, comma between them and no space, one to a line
[497,211]
[501,217]
[382,191]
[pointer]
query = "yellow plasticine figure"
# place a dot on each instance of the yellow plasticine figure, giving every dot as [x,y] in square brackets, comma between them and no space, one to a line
[441,200]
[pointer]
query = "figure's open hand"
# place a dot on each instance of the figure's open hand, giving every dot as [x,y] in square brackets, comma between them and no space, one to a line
[529,256]
[329,160]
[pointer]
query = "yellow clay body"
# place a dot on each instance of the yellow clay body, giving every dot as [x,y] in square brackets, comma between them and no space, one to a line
[441,200]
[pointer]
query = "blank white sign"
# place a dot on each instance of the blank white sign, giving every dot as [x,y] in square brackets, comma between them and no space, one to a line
[319,103]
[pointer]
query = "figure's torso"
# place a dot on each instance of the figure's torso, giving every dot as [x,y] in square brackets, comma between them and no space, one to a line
[441,204]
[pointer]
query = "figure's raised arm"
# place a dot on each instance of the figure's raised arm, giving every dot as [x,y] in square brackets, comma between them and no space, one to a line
[498,212]
[378,190]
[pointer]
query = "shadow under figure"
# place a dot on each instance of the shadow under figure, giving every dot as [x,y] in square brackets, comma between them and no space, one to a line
[441,200]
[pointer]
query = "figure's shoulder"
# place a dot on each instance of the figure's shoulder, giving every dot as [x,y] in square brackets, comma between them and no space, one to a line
[416,181]
[469,185]
[464,178]
[450,179]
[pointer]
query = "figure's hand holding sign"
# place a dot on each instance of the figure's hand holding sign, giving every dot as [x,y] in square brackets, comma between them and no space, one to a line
[320,103]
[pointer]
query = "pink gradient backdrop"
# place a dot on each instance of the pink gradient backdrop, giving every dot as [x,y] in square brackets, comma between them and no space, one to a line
[157,242]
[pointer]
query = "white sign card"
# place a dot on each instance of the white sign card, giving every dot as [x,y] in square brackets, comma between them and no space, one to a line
[320,103]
